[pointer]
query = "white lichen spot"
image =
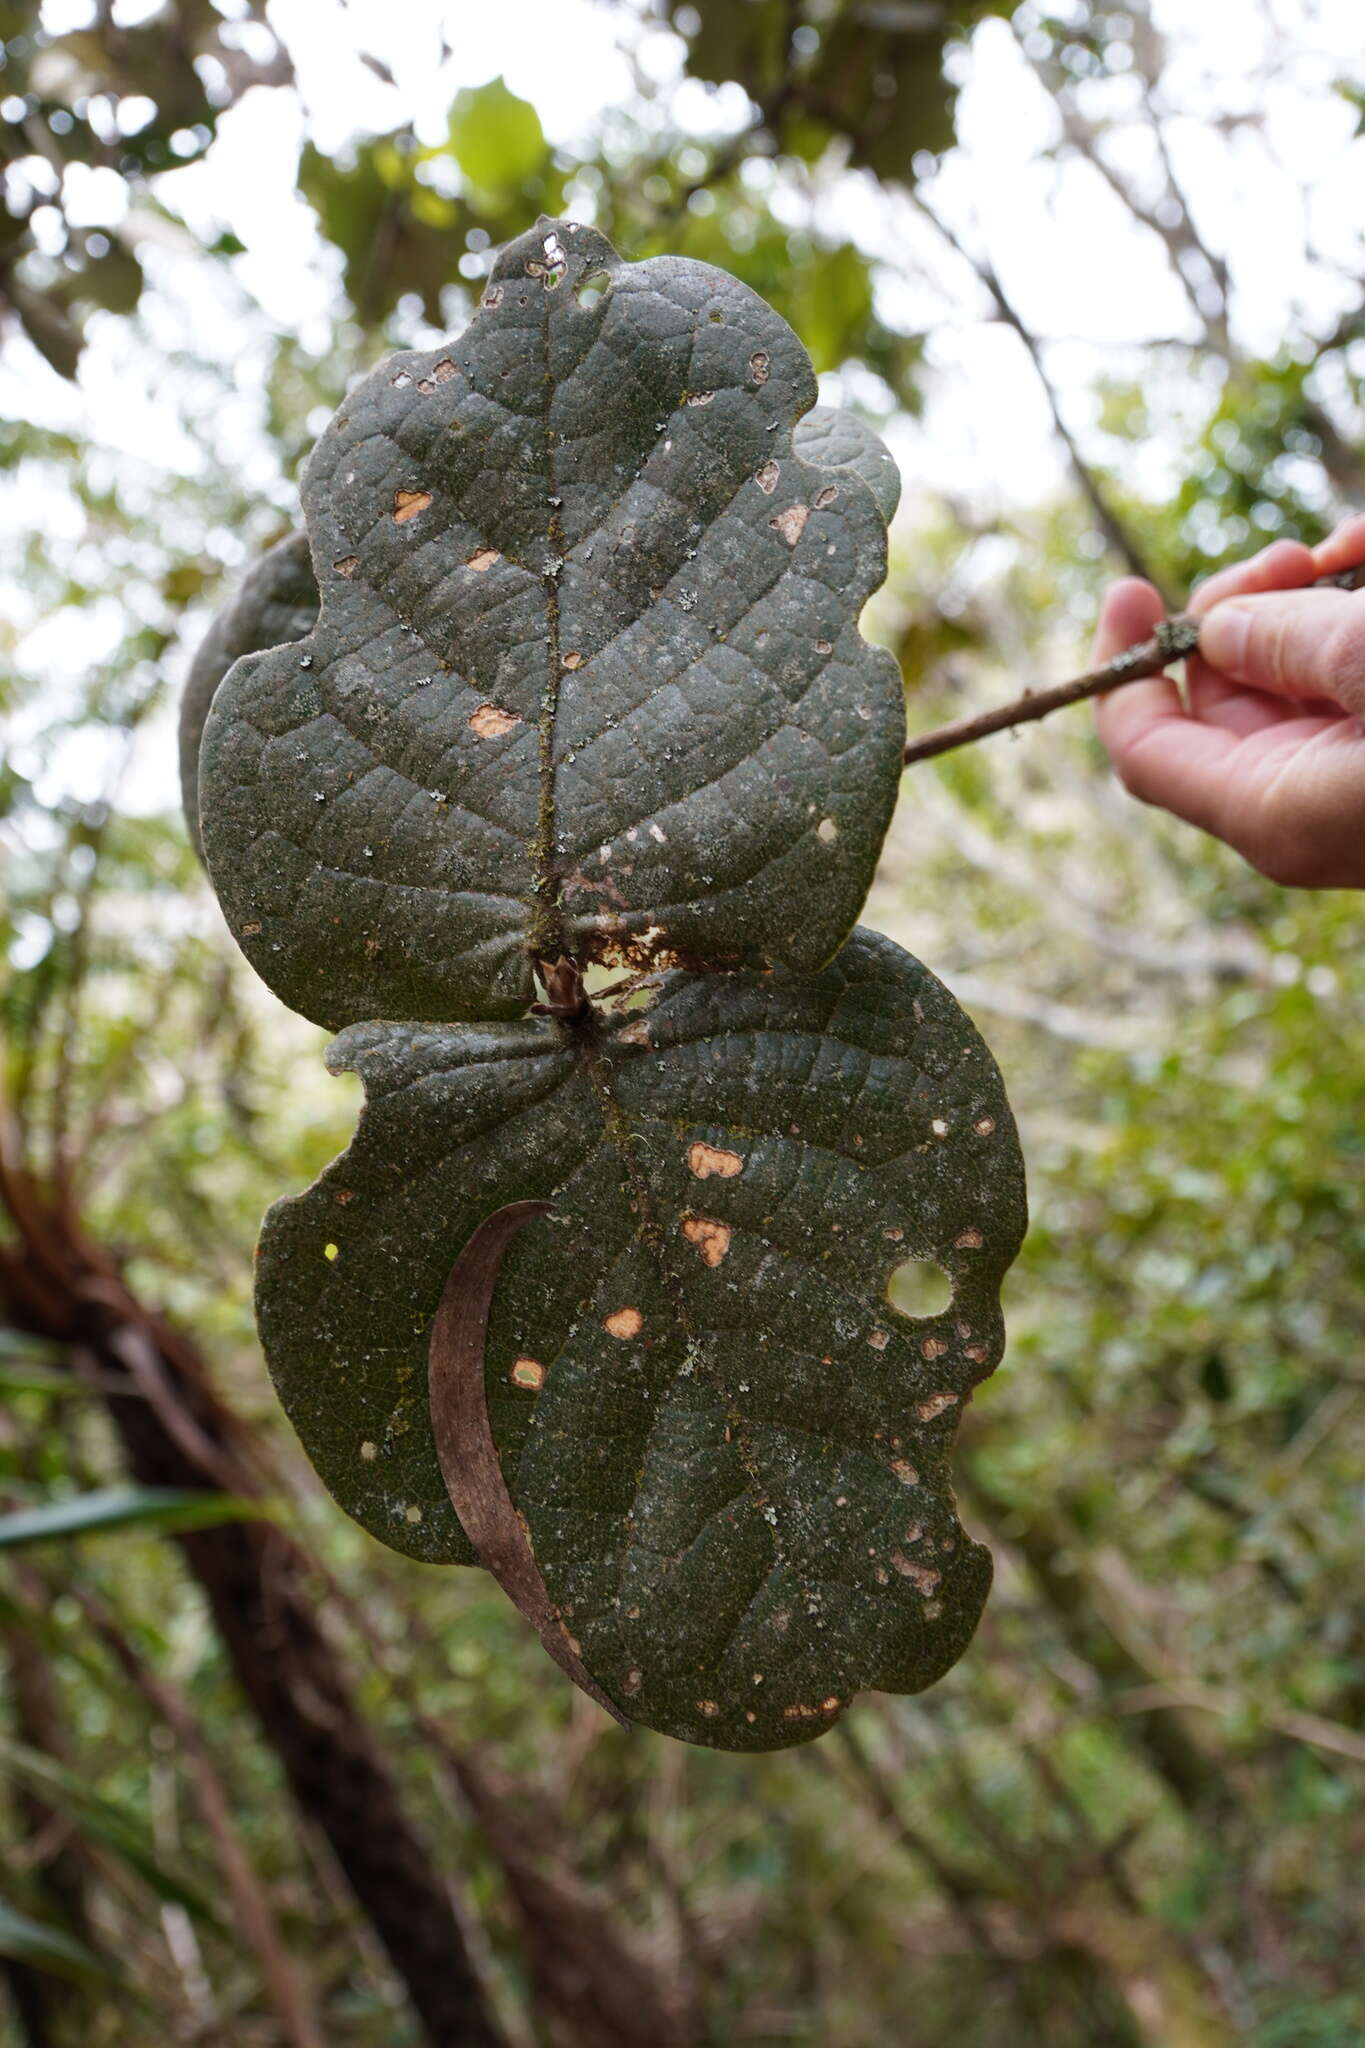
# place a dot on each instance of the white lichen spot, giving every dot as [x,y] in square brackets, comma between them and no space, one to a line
[983,1126]
[408,504]
[935,1405]
[658,835]
[705,1160]
[939,1127]
[413,1513]
[490,721]
[791,524]
[711,1239]
[624,1323]
[527,1372]
[827,831]
[482,560]
[369,1452]
[398,382]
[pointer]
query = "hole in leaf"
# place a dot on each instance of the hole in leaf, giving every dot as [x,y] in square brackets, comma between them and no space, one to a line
[919,1288]
[592,288]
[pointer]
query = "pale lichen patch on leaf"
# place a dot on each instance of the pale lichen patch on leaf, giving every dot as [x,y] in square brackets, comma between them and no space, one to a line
[712,1239]
[490,721]
[936,1404]
[623,1323]
[791,524]
[705,1160]
[408,505]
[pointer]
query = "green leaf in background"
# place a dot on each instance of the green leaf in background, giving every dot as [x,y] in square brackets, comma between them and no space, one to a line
[117,1826]
[45,1947]
[587,678]
[165,1509]
[496,138]
[871,72]
[729,1450]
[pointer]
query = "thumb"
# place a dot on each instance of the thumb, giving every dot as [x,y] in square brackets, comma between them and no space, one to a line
[1300,644]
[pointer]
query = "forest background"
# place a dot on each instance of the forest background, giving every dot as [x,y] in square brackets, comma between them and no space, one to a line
[1096,272]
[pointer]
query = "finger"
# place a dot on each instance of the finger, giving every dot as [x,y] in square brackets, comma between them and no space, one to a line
[1284,565]
[1344,548]
[1170,759]
[1295,644]
[1131,613]
[1213,700]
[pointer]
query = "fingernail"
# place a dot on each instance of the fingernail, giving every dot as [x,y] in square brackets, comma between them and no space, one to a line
[1223,638]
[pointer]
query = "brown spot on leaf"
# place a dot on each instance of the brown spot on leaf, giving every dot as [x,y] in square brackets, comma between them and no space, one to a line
[632,1681]
[766,478]
[624,1323]
[759,366]
[879,1339]
[970,1241]
[826,497]
[347,565]
[933,1347]
[791,524]
[527,1372]
[705,1160]
[482,559]
[490,721]
[983,1126]
[444,370]
[935,1405]
[573,660]
[699,397]
[709,1708]
[905,1472]
[249,931]
[712,1239]
[977,1353]
[921,1576]
[408,504]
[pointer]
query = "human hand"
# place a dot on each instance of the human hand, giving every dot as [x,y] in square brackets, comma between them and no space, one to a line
[1270,755]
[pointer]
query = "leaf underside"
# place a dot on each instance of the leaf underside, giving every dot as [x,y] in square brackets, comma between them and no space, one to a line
[587,676]
[729,1451]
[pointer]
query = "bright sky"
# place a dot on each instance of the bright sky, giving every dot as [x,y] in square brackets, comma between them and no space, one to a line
[1269,161]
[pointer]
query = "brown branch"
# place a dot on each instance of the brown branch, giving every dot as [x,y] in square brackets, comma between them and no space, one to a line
[1172,641]
[1113,528]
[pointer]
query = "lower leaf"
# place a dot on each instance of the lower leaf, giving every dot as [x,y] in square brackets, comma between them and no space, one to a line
[728,1449]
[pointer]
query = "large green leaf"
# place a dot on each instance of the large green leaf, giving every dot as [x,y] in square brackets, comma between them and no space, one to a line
[729,1450]
[587,676]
